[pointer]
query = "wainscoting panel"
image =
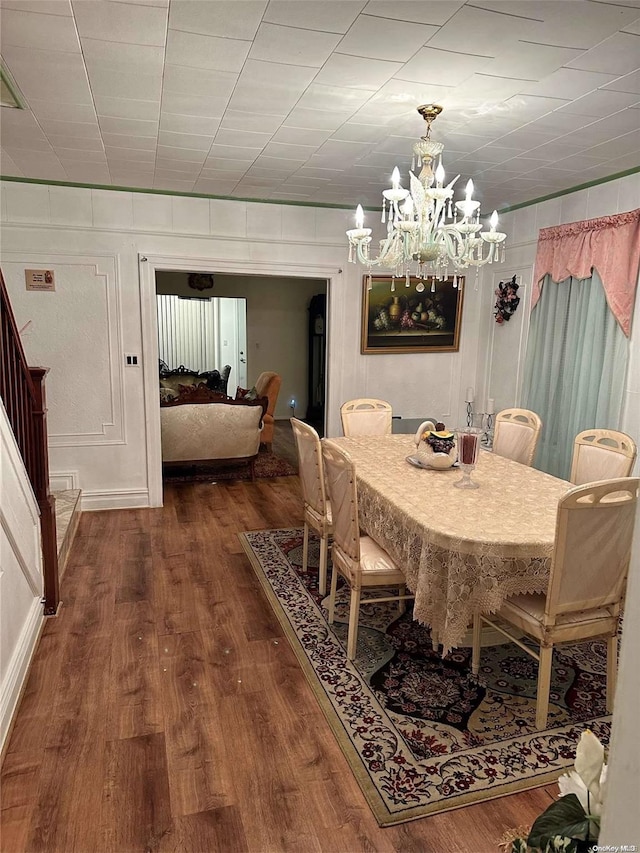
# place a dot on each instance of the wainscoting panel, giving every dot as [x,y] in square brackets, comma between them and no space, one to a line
[85,406]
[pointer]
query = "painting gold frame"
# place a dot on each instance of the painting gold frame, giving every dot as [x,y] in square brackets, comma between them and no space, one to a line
[423,317]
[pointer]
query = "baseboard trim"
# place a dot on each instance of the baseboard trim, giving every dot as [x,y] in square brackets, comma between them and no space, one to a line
[63,481]
[16,675]
[114,499]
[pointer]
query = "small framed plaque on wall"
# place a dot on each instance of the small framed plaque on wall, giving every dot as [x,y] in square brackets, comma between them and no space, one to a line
[40,279]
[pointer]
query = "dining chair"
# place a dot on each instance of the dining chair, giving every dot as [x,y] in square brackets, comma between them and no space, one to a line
[366,417]
[594,530]
[360,560]
[601,454]
[516,435]
[317,509]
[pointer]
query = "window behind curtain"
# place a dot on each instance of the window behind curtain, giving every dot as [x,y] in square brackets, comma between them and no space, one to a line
[575,367]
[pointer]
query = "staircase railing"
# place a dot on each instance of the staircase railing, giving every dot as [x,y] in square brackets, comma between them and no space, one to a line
[22,390]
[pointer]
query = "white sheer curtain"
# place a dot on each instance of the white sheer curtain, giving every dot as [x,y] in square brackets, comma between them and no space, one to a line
[575,367]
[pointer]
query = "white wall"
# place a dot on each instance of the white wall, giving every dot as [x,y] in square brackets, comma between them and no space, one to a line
[93,240]
[277,327]
[20,574]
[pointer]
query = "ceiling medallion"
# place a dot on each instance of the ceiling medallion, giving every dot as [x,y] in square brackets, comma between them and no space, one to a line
[427,234]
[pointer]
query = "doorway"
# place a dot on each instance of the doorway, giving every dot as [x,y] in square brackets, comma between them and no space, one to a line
[267,332]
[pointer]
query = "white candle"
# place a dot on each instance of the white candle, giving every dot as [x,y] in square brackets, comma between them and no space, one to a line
[395,178]
[440,174]
[494,221]
[468,190]
[359,216]
[469,397]
[491,406]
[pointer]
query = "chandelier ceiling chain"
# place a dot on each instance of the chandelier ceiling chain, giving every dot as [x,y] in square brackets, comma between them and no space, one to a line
[427,233]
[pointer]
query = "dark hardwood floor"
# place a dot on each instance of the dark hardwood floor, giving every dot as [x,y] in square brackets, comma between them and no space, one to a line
[165,711]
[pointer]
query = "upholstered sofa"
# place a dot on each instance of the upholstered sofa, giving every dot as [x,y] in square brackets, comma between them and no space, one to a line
[171,380]
[267,385]
[201,426]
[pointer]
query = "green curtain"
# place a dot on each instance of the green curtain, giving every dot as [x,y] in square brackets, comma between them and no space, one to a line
[575,367]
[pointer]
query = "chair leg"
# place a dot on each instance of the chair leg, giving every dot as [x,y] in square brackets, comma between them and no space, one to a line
[544,685]
[305,547]
[332,597]
[354,612]
[612,670]
[477,637]
[322,580]
[402,603]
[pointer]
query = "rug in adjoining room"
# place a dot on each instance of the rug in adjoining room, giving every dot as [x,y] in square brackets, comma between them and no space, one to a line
[266,465]
[421,734]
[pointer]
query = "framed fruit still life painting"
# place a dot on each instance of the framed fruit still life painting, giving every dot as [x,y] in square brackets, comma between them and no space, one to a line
[424,316]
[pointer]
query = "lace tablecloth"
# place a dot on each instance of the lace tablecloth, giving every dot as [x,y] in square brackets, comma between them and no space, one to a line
[460,550]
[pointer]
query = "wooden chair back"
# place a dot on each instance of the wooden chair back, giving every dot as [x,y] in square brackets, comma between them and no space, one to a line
[516,435]
[340,477]
[602,454]
[366,417]
[594,530]
[311,468]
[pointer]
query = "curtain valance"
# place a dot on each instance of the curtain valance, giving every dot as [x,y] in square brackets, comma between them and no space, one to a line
[611,244]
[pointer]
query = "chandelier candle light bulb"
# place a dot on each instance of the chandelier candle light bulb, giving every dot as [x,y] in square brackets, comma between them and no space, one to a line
[423,237]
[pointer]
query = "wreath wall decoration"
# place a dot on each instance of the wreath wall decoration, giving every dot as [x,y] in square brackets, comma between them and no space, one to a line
[507,300]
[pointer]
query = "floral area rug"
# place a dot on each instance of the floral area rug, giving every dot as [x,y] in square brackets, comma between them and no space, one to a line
[421,734]
[266,465]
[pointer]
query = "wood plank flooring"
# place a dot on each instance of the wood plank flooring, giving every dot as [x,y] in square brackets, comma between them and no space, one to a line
[165,711]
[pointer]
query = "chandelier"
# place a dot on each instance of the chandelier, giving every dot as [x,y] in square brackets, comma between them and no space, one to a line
[427,233]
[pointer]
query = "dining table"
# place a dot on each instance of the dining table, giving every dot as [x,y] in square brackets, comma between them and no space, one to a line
[461,550]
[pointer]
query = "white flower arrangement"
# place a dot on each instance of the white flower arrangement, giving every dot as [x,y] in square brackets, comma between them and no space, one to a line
[572,822]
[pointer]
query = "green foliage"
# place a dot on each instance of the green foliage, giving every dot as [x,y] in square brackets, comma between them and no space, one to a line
[562,828]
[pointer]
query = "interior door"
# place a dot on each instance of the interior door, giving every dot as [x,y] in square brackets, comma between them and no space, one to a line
[232,339]
[241,322]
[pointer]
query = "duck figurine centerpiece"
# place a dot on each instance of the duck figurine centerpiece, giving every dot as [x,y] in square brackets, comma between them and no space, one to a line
[436,445]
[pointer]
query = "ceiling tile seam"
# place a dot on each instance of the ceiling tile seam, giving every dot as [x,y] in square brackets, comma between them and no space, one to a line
[37,121]
[213,35]
[90,87]
[246,59]
[563,47]
[455,52]
[506,14]
[502,77]
[304,29]
[164,68]
[402,20]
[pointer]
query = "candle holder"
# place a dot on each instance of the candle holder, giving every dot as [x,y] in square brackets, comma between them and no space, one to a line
[489,431]
[468,450]
[486,428]
[469,413]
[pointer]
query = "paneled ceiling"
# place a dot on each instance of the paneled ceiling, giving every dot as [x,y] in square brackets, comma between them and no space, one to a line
[316,102]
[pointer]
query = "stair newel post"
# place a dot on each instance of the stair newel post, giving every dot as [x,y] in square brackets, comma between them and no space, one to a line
[46,501]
